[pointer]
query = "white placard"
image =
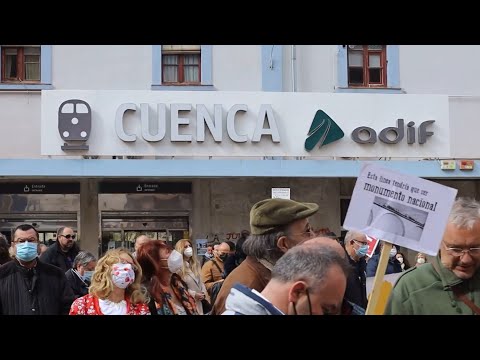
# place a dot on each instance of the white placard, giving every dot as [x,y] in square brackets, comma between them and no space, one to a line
[202,245]
[281,193]
[401,209]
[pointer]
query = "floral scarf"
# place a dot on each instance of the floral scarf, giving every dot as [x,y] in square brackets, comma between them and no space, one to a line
[165,305]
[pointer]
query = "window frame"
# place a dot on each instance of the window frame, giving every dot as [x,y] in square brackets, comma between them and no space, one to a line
[206,64]
[181,68]
[365,67]
[21,63]
[45,82]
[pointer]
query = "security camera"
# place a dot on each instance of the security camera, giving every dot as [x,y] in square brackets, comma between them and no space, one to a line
[145,224]
[34,224]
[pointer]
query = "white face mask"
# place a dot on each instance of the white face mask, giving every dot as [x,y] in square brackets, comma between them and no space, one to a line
[175,261]
[393,252]
[400,260]
[188,252]
[122,275]
[421,260]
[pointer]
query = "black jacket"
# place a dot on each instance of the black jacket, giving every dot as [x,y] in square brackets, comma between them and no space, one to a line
[42,290]
[55,256]
[356,291]
[79,287]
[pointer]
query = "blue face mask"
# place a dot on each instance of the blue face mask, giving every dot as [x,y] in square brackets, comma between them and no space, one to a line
[27,251]
[362,251]
[87,275]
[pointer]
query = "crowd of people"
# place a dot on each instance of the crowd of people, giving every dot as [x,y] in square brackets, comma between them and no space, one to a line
[278,267]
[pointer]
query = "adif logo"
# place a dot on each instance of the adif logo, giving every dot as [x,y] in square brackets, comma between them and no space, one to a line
[74,124]
[323,131]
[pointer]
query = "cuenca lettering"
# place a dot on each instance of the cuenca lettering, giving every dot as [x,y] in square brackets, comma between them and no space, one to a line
[179,120]
[399,132]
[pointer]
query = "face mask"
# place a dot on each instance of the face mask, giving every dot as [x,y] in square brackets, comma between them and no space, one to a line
[122,275]
[175,261]
[393,252]
[421,260]
[27,251]
[400,260]
[223,257]
[188,252]
[362,251]
[87,275]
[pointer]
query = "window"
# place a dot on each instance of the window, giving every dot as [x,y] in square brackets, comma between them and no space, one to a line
[367,66]
[21,64]
[181,64]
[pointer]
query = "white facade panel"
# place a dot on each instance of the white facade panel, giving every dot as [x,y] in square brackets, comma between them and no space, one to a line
[237,67]
[440,69]
[20,125]
[108,67]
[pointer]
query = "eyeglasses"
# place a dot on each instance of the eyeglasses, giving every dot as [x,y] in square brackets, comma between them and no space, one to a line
[68,236]
[32,240]
[361,243]
[309,233]
[475,251]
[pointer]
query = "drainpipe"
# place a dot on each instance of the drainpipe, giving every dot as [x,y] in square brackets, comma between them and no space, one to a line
[294,68]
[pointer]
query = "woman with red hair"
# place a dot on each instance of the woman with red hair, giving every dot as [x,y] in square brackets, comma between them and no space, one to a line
[168,292]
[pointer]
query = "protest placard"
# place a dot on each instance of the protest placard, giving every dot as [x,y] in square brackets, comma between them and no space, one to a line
[201,245]
[402,209]
[372,245]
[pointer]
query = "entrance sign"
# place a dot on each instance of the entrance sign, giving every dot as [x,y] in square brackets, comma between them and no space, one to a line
[401,209]
[281,193]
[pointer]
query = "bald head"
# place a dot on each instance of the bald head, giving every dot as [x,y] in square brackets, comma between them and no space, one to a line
[325,241]
[141,240]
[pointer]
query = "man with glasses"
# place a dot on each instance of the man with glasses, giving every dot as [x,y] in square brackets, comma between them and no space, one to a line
[63,251]
[29,286]
[307,280]
[276,225]
[356,247]
[450,284]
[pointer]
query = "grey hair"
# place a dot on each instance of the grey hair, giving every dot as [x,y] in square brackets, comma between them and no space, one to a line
[83,258]
[351,235]
[465,213]
[264,246]
[308,263]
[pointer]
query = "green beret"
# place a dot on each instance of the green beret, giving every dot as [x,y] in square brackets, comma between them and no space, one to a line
[268,214]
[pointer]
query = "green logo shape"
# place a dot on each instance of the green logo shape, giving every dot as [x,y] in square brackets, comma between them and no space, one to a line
[323,131]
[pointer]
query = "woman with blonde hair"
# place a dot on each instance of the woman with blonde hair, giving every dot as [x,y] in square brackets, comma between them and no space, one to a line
[190,273]
[168,292]
[115,288]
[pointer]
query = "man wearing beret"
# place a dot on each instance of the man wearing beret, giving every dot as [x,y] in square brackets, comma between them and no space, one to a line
[276,225]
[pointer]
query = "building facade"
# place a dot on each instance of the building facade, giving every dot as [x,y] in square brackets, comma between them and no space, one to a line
[186,138]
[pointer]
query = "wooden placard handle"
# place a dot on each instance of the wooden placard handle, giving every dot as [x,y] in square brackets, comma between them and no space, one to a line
[377,281]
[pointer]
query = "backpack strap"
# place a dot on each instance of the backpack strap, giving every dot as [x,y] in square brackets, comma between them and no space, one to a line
[218,266]
[459,293]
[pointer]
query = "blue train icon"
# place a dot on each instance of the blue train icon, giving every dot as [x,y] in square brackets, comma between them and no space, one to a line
[74,124]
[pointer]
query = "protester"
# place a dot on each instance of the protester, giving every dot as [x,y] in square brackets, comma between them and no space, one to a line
[115,288]
[450,284]
[276,225]
[307,280]
[29,286]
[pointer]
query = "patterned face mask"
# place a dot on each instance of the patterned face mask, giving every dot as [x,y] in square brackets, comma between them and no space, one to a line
[122,275]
